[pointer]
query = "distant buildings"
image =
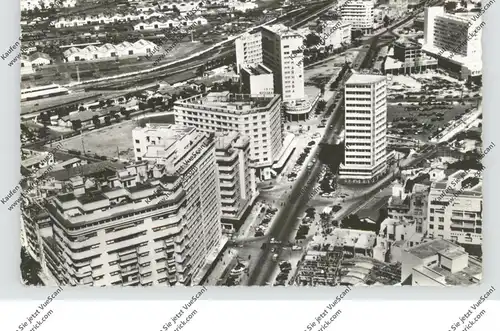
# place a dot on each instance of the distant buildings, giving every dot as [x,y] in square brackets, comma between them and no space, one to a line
[257,80]
[455,39]
[109,51]
[248,50]
[236,178]
[408,58]
[359,13]
[41,4]
[439,263]
[365,129]
[82,20]
[336,33]
[456,208]
[258,117]
[145,224]
[168,23]
[37,59]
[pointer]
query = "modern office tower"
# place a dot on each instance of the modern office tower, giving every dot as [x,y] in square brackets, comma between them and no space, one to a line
[257,80]
[282,52]
[455,39]
[365,129]
[439,263]
[236,178]
[280,49]
[248,50]
[258,117]
[147,224]
[359,13]
[336,33]
[456,208]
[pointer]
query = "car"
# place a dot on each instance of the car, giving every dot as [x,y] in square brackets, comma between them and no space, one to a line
[275,257]
[296,248]
[325,195]
[274,241]
[259,234]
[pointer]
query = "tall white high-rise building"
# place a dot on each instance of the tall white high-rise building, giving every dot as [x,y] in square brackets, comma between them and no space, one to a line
[359,13]
[365,128]
[455,38]
[280,49]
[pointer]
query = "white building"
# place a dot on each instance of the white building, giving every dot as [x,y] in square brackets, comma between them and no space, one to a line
[82,20]
[439,263]
[248,50]
[455,39]
[257,80]
[359,13]
[365,129]
[280,49]
[336,33]
[282,52]
[456,208]
[146,224]
[108,51]
[236,177]
[258,117]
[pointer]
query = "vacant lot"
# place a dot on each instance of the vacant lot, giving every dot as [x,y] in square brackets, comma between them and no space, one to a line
[115,140]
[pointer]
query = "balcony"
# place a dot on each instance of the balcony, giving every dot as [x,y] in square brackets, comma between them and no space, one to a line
[129,271]
[132,282]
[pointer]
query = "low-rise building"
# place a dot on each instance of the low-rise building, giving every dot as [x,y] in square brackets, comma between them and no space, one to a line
[168,23]
[408,58]
[40,59]
[439,263]
[336,33]
[108,51]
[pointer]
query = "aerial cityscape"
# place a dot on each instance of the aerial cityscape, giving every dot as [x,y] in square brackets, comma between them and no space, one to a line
[250,143]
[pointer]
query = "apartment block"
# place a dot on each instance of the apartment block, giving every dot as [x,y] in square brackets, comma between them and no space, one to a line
[248,50]
[456,208]
[257,80]
[365,129]
[280,49]
[236,177]
[439,263]
[256,116]
[359,13]
[455,39]
[149,223]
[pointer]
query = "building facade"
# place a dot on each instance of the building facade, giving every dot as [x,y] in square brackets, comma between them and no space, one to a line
[359,14]
[455,39]
[236,177]
[257,80]
[336,33]
[365,129]
[248,50]
[456,208]
[258,117]
[147,224]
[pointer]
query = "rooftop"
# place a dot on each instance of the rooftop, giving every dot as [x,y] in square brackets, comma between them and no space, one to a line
[438,246]
[365,79]
[258,69]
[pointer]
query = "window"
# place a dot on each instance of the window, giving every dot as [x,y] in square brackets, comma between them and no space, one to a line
[431,219]
[431,226]
[441,219]
[137,141]
[440,227]
[137,149]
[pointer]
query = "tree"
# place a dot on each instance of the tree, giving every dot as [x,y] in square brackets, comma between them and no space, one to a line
[312,40]
[450,6]
[387,20]
[96,121]
[201,70]
[76,124]
[107,120]
[30,269]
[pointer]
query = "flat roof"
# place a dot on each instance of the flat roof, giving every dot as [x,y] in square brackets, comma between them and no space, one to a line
[365,79]
[434,247]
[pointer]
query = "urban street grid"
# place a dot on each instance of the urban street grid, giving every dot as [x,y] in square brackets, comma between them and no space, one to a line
[227,163]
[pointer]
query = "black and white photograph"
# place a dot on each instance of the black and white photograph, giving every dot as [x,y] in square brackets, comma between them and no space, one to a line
[278,143]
